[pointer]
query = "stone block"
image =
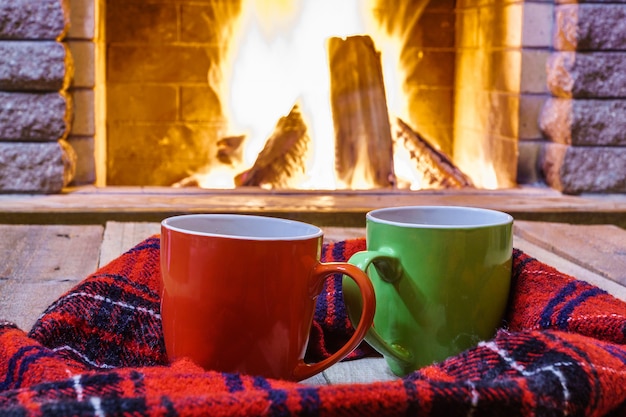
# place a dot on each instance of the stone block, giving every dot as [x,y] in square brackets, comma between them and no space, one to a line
[30,167]
[84,58]
[467,22]
[530,107]
[598,27]
[529,152]
[199,103]
[158,154]
[142,22]
[83,19]
[34,116]
[84,121]
[538,22]
[160,63]
[35,66]
[533,71]
[144,103]
[587,75]
[434,29]
[580,169]
[500,25]
[584,122]
[434,68]
[490,160]
[28,19]
[491,113]
[84,147]
[432,110]
[206,23]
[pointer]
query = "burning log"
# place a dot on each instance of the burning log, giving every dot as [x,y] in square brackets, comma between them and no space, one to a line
[363,144]
[229,153]
[229,150]
[283,157]
[437,170]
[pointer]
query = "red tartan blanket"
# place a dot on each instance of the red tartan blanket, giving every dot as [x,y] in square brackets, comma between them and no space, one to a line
[98,350]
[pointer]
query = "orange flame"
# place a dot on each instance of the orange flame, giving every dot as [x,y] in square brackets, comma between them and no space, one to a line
[278,57]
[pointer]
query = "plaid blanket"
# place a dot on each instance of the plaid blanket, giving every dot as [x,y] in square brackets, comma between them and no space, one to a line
[98,350]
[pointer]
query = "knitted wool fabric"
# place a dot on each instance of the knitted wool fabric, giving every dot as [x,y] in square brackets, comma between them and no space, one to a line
[98,350]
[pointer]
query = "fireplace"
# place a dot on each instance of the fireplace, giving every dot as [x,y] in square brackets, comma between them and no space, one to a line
[112,92]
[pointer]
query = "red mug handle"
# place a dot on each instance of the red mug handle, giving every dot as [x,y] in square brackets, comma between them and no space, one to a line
[306,370]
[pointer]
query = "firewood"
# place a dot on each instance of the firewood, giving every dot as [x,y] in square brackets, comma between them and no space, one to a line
[437,169]
[363,144]
[281,163]
[229,150]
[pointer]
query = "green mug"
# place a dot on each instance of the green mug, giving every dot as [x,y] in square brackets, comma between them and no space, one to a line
[441,275]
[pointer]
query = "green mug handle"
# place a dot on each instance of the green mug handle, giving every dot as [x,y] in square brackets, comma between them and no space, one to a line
[389,270]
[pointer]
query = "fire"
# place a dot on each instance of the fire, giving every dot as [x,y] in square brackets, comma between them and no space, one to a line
[278,57]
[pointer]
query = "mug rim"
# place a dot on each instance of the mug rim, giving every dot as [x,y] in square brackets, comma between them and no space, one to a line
[299,230]
[497,218]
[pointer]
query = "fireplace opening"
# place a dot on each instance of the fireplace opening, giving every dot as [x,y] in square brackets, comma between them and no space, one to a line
[113,92]
[213,95]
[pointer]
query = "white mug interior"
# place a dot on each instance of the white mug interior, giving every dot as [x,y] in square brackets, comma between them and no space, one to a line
[439,216]
[242,226]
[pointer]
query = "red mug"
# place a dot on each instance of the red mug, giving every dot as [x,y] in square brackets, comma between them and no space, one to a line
[238,293]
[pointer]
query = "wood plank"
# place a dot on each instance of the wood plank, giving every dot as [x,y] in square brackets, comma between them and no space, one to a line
[570,268]
[39,263]
[119,237]
[335,234]
[122,236]
[598,248]
[360,371]
[92,205]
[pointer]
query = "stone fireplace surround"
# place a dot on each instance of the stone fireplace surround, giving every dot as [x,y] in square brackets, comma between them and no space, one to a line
[563,112]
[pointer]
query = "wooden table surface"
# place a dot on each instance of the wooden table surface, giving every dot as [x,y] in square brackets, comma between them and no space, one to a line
[38,263]
[94,205]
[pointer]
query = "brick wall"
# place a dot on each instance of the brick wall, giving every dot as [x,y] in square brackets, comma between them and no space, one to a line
[164,118]
[502,50]
[428,55]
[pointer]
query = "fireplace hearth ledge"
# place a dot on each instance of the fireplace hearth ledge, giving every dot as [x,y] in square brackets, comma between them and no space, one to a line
[98,205]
